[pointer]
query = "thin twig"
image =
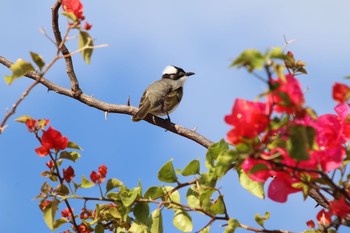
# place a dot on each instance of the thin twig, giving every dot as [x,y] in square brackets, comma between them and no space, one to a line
[15,105]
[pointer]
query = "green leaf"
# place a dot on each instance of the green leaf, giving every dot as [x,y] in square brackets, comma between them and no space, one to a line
[113,183]
[59,222]
[71,155]
[85,43]
[224,162]
[156,221]
[192,168]
[62,189]
[182,221]
[141,211]
[213,152]
[205,198]
[233,224]
[254,187]
[171,195]
[251,59]
[114,212]
[193,197]
[300,141]
[50,212]
[38,60]
[167,173]
[128,196]
[99,228]
[138,227]
[277,53]
[154,192]
[19,69]
[218,206]
[85,183]
[260,220]
[73,145]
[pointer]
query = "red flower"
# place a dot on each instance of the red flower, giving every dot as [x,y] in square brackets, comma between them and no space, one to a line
[249,119]
[100,176]
[50,164]
[103,170]
[68,174]
[324,217]
[341,92]
[286,96]
[66,213]
[75,7]
[51,139]
[340,207]
[87,26]
[34,125]
[83,229]
[310,224]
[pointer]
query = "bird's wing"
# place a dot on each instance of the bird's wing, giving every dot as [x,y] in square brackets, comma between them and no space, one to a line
[144,108]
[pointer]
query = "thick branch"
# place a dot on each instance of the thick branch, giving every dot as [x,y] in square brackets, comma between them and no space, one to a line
[116,108]
[64,50]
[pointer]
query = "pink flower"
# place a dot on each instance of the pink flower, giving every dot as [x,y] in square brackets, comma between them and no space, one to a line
[281,186]
[286,95]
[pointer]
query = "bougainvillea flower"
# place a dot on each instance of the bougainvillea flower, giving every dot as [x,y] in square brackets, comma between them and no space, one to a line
[341,92]
[87,26]
[287,96]
[343,112]
[281,186]
[257,169]
[66,213]
[100,176]
[103,170]
[51,139]
[310,224]
[34,125]
[83,229]
[248,118]
[340,207]
[75,7]
[68,174]
[324,217]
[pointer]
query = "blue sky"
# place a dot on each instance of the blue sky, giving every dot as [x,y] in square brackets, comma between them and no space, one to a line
[144,37]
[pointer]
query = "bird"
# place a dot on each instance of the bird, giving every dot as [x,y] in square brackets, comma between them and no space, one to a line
[164,95]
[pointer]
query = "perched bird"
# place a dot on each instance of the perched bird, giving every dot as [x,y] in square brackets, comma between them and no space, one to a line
[163,96]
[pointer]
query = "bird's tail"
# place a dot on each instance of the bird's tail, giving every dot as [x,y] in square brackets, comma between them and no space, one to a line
[142,112]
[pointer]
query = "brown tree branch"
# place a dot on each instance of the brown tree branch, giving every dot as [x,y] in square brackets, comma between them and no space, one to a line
[115,108]
[76,91]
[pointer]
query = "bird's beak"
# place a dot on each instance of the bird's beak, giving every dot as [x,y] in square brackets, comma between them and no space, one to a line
[189,73]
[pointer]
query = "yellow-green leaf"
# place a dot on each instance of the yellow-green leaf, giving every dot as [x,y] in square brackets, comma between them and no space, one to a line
[19,69]
[167,173]
[85,43]
[38,60]
[252,186]
[192,168]
[156,221]
[182,221]
[85,183]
